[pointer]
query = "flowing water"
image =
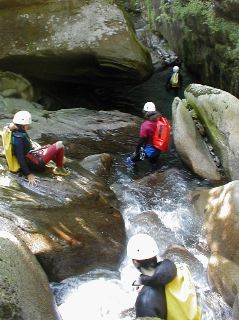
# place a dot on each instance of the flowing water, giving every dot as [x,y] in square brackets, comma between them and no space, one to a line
[162,210]
[157,204]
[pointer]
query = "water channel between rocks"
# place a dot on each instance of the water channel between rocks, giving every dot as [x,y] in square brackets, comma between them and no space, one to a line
[162,210]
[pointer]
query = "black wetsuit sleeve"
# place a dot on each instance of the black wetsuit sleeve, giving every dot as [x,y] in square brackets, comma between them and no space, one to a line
[141,143]
[164,273]
[19,153]
[168,83]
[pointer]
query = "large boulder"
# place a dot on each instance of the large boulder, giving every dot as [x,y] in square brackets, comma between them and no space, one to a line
[220,209]
[219,113]
[14,85]
[84,132]
[71,41]
[189,144]
[25,293]
[99,164]
[68,223]
[179,254]
[225,276]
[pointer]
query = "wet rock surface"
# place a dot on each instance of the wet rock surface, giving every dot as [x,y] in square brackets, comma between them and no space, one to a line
[218,112]
[189,144]
[68,222]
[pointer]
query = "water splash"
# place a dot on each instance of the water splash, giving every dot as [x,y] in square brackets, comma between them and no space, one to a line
[95,295]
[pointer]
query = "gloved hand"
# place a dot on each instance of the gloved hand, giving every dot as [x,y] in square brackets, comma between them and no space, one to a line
[142,154]
[137,282]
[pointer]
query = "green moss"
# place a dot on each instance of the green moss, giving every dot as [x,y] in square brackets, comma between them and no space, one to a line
[204,12]
[197,92]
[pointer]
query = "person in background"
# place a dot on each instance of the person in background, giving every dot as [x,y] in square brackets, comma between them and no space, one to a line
[31,159]
[174,81]
[145,148]
[164,292]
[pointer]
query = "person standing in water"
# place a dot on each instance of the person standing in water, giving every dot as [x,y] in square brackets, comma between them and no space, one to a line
[146,147]
[174,81]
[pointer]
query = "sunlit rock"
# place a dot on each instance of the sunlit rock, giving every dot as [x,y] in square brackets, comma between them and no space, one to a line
[25,293]
[219,112]
[71,41]
[225,276]
[220,207]
[189,144]
[99,164]
[66,220]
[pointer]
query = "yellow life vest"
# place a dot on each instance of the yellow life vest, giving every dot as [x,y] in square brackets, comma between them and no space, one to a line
[181,296]
[175,80]
[12,161]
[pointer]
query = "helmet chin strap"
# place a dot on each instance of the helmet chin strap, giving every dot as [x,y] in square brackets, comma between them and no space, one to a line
[136,263]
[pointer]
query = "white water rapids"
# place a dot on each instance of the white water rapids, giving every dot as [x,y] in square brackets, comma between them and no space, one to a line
[161,208]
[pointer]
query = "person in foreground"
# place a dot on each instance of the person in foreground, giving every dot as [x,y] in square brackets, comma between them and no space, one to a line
[153,137]
[166,290]
[32,159]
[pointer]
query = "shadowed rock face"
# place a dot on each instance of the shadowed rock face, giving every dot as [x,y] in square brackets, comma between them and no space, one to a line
[71,41]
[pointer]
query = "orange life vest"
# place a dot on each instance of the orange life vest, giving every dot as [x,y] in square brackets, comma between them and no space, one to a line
[162,134]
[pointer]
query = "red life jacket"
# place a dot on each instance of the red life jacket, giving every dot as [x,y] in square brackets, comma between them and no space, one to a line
[162,134]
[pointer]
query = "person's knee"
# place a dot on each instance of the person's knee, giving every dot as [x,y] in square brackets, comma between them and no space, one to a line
[59,145]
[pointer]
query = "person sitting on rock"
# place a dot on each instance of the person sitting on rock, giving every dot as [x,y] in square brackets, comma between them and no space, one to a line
[32,159]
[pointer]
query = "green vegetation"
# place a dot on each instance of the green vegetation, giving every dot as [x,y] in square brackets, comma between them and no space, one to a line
[204,12]
[184,10]
[189,25]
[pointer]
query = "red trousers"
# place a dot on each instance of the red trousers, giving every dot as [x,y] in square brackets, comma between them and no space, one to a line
[54,152]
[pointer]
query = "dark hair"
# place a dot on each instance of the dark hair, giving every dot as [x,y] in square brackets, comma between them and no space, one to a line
[152,114]
[147,263]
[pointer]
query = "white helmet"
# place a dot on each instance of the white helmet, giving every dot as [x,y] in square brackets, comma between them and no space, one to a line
[22,117]
[175,69]
[149,106]
[142,246]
